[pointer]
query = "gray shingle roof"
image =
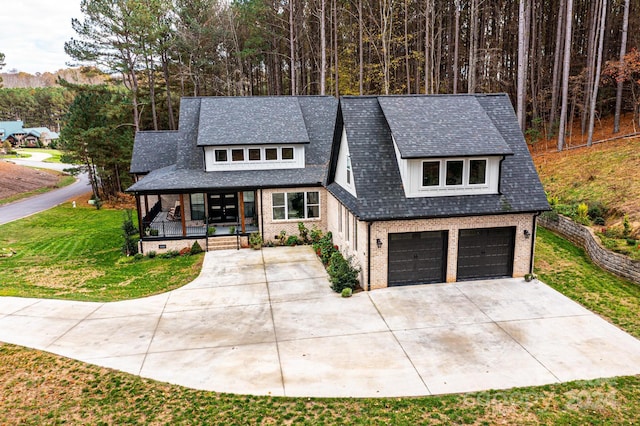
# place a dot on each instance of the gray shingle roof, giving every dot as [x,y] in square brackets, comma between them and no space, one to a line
[379,185]
[441,126]
[153,150]
[251,120]
[318,116]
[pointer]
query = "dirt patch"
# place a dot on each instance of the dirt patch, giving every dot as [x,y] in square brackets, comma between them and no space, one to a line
[16,179]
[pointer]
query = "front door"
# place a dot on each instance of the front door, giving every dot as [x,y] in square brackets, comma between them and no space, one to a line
[223,207]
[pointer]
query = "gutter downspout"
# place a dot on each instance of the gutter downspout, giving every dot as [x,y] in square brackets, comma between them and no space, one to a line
[261,216]
[500,174]
[368,256]
[534,227]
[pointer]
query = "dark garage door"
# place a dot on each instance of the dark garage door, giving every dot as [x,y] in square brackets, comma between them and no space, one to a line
[485,253]
[417,258]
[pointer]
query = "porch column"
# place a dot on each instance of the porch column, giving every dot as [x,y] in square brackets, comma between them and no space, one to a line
[241,202]
[146,205]
[140,230]
[184,225]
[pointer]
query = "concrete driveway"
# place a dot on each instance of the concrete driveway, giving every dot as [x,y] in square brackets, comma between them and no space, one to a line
[265,322]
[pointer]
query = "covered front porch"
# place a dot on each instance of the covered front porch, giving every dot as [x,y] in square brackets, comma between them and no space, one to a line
[197,215]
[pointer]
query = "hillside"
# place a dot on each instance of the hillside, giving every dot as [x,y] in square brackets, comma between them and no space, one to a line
[606,174]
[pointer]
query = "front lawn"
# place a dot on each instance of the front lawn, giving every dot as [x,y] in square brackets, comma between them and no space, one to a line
[69,253]
[569,270]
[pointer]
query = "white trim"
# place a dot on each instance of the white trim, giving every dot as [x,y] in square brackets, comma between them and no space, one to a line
[298,161]
[306,205]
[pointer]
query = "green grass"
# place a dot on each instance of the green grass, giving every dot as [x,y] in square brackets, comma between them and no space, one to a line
[55,154]
[41,388]
[64,180]
[69,253]
[569,270]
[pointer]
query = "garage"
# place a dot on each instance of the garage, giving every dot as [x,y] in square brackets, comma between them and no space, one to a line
[485,253]
[417,258]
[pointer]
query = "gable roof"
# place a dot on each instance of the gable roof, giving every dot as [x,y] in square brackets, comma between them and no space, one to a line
[38,131]
[441,126]
[175,160]
[381,194]
[251,120]
[10,128]
[153,150]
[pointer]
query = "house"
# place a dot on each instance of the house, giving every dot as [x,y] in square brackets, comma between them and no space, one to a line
[417,189]
[18,135]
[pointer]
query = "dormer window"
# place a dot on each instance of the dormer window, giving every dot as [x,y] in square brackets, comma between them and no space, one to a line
[455,173]
[254,157]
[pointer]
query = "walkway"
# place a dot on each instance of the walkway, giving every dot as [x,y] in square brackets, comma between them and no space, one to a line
[265,322]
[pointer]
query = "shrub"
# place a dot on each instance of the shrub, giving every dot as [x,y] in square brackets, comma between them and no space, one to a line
[315,234]
[341,273]
[631,242]
[138,256]
[304,233]
[582,210]
[151,254]
[599,220]
[324,248]
[211,230]
[596,211]
[626,227]
[282,237]
[232,229]
[346,292]
[169,254]
[255,240]
[153,232]
[195,248]
[129,231]
[292,240]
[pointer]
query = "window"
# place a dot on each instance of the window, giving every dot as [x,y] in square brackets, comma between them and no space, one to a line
[197,206]
[287,153]
[295,205]
[355,233]
[431,173]
[313,204]
[271,154]
[279,209]
[346,225]
[477,172]
[348,169]
[340,218]
[237,155]
[254,154]
[454,172]
[221,155]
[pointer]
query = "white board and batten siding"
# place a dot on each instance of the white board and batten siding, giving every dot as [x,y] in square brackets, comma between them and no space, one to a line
[344,168]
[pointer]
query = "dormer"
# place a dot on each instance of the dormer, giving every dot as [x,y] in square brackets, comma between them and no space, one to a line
[444,146]
[252,133]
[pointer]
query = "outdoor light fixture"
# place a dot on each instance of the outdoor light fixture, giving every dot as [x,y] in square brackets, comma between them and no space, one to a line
[378,242]
[527,234]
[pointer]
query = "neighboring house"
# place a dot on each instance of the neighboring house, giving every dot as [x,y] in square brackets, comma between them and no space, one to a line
[18,135]
[418,189]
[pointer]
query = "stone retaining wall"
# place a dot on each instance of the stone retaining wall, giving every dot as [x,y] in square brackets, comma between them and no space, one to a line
[582,236]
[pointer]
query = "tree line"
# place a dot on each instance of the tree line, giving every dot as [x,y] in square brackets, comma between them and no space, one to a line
[535,51]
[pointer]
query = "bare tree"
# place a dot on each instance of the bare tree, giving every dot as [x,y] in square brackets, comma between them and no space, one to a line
[292,48]
[523,48]
[566,63]
[456,46]
[596,82]
[623,51]
[555,85]
[323,47]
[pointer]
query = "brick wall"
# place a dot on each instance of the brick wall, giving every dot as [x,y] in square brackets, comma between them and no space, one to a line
[270,227]
[338,215]
[583,237]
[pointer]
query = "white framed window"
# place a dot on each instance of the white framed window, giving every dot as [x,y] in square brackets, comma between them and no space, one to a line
[349,169]
[255,154]
[340,218]
[295,205]
[454,173]
[346,224]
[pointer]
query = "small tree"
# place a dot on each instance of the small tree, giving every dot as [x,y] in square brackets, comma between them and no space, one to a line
[129,232]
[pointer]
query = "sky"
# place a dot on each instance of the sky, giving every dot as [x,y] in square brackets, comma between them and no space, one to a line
[33,33]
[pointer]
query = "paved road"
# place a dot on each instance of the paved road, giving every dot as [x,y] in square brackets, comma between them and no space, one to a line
[36,204]
[265,322]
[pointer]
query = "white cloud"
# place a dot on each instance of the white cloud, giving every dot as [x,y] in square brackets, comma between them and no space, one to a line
[33,33]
